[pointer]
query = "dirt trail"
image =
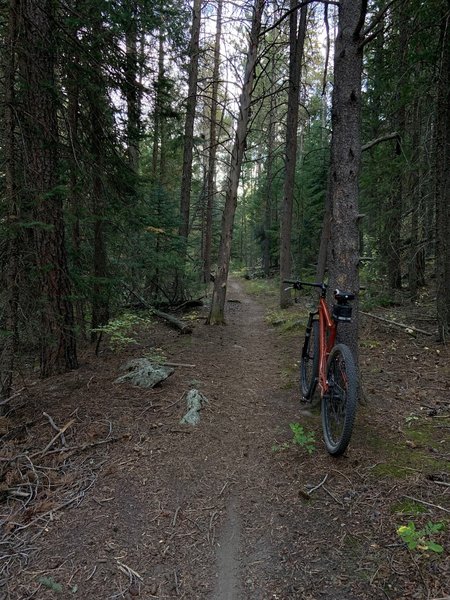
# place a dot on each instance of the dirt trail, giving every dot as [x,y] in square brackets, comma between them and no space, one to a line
[214,512]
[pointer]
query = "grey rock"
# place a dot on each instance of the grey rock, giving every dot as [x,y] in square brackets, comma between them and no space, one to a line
[143,373]
[195,401]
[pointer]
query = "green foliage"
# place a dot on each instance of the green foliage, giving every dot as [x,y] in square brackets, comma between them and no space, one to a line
[420,539]
[409,420]
[120,330]
[51,584]
[408,507]
[300,437]
[157,356]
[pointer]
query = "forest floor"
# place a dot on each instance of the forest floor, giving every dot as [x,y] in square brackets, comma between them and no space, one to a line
[132,504]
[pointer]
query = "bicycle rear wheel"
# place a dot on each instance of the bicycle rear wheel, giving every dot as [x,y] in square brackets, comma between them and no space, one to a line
[339,403]
[309,365]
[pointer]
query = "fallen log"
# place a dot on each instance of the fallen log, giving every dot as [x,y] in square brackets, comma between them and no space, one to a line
[173,321]
[401,325]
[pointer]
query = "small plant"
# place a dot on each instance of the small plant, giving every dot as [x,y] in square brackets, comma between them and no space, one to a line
[409,420]
[302,438]
[157,356]
[280,447]
[51,584]
[419,539]
[119,330]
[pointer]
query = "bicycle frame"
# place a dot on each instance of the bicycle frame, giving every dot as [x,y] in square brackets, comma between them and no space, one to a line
[327,339]
[330,365]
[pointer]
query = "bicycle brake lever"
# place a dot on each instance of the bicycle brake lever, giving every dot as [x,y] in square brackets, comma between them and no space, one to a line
[291,287]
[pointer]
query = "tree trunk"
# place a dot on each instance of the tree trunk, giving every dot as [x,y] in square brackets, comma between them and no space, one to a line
[268,190]
[442,155]
[132,90]
[396,201]
[97,108]
[346,159]
[39,122]
[11,267]
[75,152]
[189,123]
[296,43]
[213,139]
[415,201]
[216,315]
[157,174]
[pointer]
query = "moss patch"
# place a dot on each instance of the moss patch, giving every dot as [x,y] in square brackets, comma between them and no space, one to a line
[408,507]
[399,460]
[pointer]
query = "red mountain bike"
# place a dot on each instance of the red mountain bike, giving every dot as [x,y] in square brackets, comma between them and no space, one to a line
[331,366]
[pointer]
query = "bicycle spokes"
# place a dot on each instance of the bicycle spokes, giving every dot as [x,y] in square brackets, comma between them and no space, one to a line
[339,403]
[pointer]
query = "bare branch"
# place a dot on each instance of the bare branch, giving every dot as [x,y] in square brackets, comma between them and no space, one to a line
[383,138]
[377,18]
[289,12]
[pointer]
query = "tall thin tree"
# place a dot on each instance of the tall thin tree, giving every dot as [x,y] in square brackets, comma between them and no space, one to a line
[210,178]
[217,312]
[191,103]
[296,44]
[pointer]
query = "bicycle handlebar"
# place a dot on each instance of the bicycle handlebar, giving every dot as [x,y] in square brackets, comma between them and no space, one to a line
[298,284]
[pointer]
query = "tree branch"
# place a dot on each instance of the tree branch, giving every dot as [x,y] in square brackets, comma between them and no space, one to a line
[377,18]
[289,12]
[383,138]
[362,17]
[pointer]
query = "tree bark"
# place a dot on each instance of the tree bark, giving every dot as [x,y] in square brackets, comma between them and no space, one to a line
[213,139]
[346,160]
[191,103]
[74,197]
[132,93]
[442,155]
[97,109]
[296,44]
[268,188]
[393,234]
[11,273]
[39,121]
[216,315]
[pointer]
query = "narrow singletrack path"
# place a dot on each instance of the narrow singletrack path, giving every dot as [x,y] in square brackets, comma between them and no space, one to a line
[211,512]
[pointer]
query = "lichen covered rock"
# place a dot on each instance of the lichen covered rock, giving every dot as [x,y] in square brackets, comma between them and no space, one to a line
[143,373]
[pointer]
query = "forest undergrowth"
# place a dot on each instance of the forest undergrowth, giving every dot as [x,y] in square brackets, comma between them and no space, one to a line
[103,494]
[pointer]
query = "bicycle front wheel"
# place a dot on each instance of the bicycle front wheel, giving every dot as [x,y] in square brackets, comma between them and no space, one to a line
[309,366]
[339,403]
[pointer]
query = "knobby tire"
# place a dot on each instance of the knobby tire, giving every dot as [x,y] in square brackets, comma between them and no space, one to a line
[339,403]
[309,365]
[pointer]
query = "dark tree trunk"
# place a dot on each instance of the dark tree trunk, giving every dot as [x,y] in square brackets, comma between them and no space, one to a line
[415,203]
[396,201]
[191,103]
[216,315]
[346,159]
[442,155]
[74,197]
[296,43]
[268,191]
[213,139]
[37,61]
[11,269]
[132,89]
[98,125]
[157,113]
